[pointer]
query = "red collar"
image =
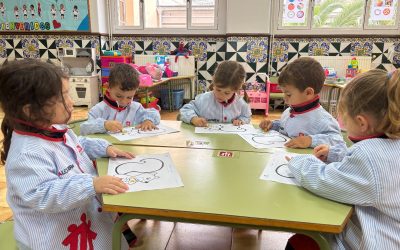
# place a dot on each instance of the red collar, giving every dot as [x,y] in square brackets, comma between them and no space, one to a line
[305,106]
[361,138]
[112,103]
[225,104]
[50,134]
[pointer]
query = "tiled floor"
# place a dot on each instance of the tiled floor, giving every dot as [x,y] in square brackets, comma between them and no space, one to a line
[168,235]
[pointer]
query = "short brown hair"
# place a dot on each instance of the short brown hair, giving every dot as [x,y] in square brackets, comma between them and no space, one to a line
[302,73]
[375,93]
[124,76]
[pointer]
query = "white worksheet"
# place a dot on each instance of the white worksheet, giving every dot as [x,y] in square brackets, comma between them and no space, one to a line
[270,139]
[131,133]
[225,128]
[146,172]
[277,169]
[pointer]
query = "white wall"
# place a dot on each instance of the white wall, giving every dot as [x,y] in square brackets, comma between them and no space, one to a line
[248,16]
[98,17]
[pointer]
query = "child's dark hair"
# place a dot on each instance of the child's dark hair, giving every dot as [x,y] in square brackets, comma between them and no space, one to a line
[27,82]
[302,73]
[375,93]
[124,76]
[230,74]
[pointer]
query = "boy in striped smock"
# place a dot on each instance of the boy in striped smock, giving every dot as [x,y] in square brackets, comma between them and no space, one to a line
[53,187]
[117,110]
[368,176]
[223,104]
[306,121]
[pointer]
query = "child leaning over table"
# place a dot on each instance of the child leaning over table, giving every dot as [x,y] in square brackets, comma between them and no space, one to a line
[368,176]
[306,121]
[223,103]
[118,110]
[53,187]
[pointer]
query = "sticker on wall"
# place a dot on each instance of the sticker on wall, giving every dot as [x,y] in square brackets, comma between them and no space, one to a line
[383,10]
[294,11]
[44,15]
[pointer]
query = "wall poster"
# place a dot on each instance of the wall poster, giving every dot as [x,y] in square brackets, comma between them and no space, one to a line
[44,15]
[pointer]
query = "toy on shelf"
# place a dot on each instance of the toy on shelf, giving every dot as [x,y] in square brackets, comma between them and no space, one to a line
[181,51]
[112,53]
[352,69]
[330,75]
[148,101]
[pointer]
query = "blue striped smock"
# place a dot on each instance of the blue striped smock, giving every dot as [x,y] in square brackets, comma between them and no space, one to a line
[132,115]
[50,187]
[319,125]
[205,105]
[369,178]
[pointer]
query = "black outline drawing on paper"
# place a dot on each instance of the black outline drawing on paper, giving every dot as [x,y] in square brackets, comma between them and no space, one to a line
[223,128]
[275,138]
[132,131]
[142,176]
[283,171]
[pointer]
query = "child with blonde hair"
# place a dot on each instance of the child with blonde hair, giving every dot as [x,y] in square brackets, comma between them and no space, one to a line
[222,104]
[368,176]
[53,187]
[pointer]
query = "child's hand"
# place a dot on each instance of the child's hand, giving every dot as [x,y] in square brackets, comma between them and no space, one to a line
[199,122]
[146,125]
[237,122]
[113,126]
[299,142]
[321,152]
[265,125]
[109,185]
[115,152]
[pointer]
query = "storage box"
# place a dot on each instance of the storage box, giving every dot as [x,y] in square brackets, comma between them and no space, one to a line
[105,72]
[177,98]
[274,88]
[109,61]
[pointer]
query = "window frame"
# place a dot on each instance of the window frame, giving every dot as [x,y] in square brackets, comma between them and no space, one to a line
[217,29]
[367,15]
[363,30]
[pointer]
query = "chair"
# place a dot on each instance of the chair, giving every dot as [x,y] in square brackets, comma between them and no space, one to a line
[7,240]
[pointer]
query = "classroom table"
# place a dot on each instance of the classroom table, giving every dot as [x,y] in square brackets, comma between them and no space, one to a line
[180,139]
[228,192]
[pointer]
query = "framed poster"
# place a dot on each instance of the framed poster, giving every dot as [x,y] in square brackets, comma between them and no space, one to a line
[44,15]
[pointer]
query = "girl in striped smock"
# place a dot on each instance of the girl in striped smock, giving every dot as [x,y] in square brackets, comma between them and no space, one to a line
[223,103]
[52,185]
[368,176]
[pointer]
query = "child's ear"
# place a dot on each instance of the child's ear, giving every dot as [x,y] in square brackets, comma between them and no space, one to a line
[363,123]
[27,110]
[309,91]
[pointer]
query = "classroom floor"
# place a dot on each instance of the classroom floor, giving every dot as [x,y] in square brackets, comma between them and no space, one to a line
[173,236]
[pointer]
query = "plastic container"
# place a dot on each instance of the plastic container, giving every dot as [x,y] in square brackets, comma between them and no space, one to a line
[109,61]
[274,88]
[105,72]
[177,98]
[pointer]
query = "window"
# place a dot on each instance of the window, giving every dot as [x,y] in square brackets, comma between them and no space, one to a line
[349,16]
[338,14]
[167,14]
[129,13]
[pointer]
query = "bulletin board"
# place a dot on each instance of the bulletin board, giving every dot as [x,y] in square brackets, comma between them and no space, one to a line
[44,15]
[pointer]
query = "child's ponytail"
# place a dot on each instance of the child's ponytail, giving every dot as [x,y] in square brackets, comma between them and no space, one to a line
[245,95]
[391,123]
[6,129]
